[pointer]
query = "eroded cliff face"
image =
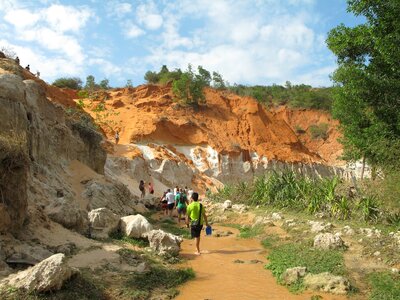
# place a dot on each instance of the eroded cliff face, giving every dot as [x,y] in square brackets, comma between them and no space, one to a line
[38,141]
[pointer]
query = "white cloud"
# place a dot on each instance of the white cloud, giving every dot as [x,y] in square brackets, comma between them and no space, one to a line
[21,18]
[49,27]
[50,67]
[7,5]
[133,31]
[107,67]
[66,18]
[148,16]
[118,9]
[257,42]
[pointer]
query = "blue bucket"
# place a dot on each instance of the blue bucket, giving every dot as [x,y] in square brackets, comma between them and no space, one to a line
[208,230]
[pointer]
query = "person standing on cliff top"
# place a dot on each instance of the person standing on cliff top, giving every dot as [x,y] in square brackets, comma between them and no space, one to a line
[196,215]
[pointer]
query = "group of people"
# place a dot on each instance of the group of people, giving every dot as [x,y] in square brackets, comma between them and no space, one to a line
[142,188]
[186,203]
[177,199]
[28,67]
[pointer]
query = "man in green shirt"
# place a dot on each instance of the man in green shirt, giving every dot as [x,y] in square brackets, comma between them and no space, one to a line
[196,214]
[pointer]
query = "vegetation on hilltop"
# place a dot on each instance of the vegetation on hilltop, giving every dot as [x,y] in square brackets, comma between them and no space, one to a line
[75,83]
[188,85]
[297,96]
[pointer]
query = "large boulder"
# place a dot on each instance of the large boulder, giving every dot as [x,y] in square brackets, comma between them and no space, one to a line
[292,275]
[135,226]
[24,254]
[111,194]
[328,241]
[327,282]
[164,243]
[102,222]
[48,275]
[66,212]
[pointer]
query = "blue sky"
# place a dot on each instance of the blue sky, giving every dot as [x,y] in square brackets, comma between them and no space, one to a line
[247,41]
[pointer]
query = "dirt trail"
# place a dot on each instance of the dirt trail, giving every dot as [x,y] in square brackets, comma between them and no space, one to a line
[219,277]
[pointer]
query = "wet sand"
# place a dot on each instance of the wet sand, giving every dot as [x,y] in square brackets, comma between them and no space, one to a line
[219,277]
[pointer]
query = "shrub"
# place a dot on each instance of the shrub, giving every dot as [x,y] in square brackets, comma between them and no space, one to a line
[294,191]
[74,83]
[8,52]
[83,94]
[319,131]
[299,130]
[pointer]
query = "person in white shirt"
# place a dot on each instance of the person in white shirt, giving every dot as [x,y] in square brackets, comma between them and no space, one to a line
[170,202]
[190,193]
[176,190]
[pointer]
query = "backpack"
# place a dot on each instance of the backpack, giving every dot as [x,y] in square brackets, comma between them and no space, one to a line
[182,199]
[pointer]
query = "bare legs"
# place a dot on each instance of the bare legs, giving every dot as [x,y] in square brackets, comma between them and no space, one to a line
[197,246]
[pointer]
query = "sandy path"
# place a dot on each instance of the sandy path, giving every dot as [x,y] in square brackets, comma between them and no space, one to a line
[218,277]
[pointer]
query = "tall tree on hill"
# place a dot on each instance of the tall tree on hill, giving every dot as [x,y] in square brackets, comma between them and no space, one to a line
[90,83]
[367,97]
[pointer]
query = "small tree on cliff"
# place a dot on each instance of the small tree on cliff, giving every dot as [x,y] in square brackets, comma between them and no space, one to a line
[189,88]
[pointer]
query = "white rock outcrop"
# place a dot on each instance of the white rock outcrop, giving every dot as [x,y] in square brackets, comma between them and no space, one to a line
[276,216]
[328,241]
[240,208]
[327,282]
[164,243]
[292,275]
[227,204]
[48,275]
[135,226]
[102,222]
[317,227]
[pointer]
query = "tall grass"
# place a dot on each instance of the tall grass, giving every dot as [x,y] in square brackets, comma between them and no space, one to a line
[294,191]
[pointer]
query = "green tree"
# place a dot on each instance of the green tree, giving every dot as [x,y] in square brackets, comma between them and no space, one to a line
[104,84]
[367,97]
[90,83]
[189,88]
[151,77]
[129,83]
[204,75]
[218,81]
[68,82]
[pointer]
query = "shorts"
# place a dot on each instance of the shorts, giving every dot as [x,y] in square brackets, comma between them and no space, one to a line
[164,205]
[182,210]
[195,230]
[171,206]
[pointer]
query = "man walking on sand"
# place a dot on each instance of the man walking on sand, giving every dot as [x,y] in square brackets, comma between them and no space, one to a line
[196,214]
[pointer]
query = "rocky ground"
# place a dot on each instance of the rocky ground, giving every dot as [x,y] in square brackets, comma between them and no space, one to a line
[364,250]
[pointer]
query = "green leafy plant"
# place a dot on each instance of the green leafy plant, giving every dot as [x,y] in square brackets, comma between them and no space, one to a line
[319,131]
[369,208]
